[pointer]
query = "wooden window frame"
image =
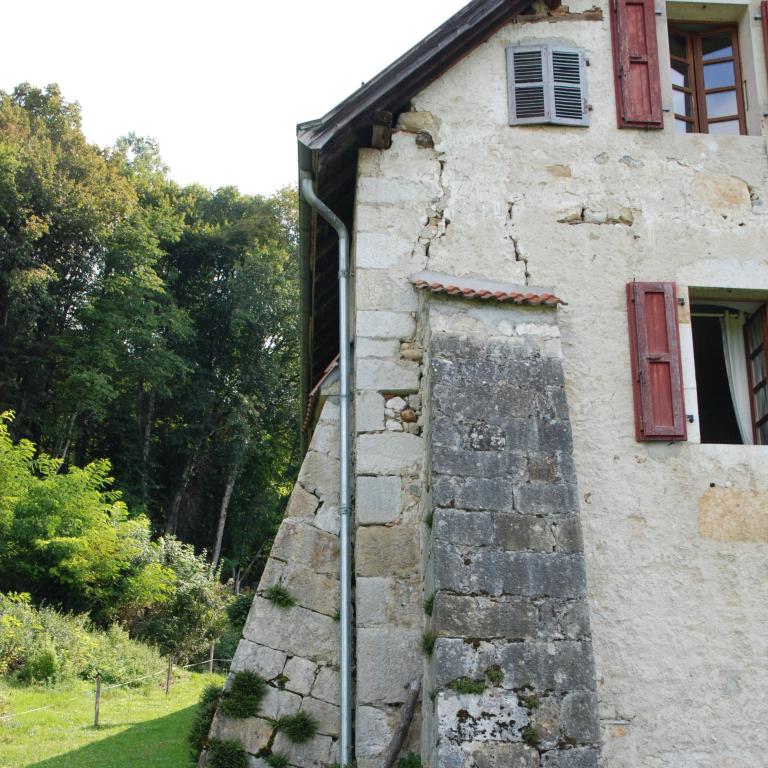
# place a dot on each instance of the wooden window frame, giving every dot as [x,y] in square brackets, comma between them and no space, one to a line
[754,387]
[698,92]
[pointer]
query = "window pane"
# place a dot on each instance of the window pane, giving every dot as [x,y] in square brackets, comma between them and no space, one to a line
[755,334]
[682,126]
[678,46]
[716,46]
[680,74]
[722,104]
[761,403]
[719,75]
[682,104]
[762,431]
[727,126]
[758,368]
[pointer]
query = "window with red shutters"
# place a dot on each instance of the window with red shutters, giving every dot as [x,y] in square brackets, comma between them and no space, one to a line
[656,367]
[636,64]
[764,14]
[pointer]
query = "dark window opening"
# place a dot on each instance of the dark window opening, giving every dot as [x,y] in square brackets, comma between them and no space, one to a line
[717,418]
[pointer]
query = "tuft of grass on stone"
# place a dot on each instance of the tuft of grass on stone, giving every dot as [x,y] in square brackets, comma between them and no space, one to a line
[495,674]
[530,702]
[412,760]
[298,728]
[279,596]
[466,685]
[226,753]
[201,725]
[428,643]
[531,736]
[429,605]
[244,696]
[276,760]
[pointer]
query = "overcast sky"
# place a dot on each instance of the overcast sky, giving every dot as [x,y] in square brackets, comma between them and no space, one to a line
[220,84]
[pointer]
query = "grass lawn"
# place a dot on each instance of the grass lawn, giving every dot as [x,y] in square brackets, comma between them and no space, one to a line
[138,727]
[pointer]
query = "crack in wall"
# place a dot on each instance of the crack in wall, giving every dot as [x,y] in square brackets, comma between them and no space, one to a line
[514,239]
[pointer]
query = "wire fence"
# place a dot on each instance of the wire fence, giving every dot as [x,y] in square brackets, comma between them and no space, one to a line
[99,689]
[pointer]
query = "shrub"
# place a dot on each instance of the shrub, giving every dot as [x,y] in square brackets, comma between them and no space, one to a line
[530,736]
[280,596]
[201,724]
[412,760]
[225,753]
[243,697]
[298,728]
[44,644]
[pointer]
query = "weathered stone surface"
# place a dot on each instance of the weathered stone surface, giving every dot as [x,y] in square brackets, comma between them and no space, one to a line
[388,659]
[564,619]
[501,756]
[474,493]
[570,758]
[326,715]
[266,662]
[524,532]
[327,519]
[301,675]
[313,590]
[564,665]
[490,716]
[278,703]
[385,324]
[315,753]
[547,499]
[567,533]
[326,687]
[385,551]
[385,600]
[369,412]
[325,438]
[302,503]
[394,376]
[579,718]
[377,499]
[510,618]
[253,733]
[416,121]
[304,544]
[374,250]
[452,658]
[721,191]
[386,348]
[460,527]
[497,572]
[389,454]
[297,631]
[372,732]
[319,474]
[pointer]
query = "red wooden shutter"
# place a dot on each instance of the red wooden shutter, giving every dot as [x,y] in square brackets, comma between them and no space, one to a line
[764,14]
[636,64]
[654,342]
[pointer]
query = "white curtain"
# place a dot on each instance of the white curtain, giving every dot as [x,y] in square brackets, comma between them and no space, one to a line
[732,326]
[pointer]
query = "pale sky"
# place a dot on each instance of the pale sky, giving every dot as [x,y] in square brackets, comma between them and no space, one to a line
[220,84]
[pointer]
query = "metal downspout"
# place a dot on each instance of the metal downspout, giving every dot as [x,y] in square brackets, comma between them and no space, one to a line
[308,192]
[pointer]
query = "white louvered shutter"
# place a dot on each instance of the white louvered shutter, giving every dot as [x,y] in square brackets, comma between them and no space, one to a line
[569,86]
[527,81]
[547,84]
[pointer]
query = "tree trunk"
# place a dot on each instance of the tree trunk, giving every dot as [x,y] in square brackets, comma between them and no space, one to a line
[145,444]
[68,440]
[173,512]
[226,498]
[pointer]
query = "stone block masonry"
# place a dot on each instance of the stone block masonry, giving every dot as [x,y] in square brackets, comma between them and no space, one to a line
[512,672]
[296,649]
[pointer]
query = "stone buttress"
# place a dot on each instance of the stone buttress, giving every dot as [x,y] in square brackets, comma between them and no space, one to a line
[511,678]
[295,649]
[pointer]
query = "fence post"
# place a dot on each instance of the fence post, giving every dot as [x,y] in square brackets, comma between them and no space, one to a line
[98,700]
[210,658]
[168,675]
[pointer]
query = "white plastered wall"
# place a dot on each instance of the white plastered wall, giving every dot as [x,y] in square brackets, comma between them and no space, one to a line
[677,575]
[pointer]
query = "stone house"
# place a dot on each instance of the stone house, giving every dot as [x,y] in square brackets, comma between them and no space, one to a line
[558,416]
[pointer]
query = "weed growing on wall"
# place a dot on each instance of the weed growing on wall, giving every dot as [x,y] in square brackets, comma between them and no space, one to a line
[429,605]
[225,753]
[201,725]
[412,760]
[465,685]
[280,596]
[298,728]
[428,643]
[244,696]
[276,760]
[495,674]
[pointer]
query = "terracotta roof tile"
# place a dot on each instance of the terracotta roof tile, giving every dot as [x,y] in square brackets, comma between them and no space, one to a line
[470,288]
[311,399]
